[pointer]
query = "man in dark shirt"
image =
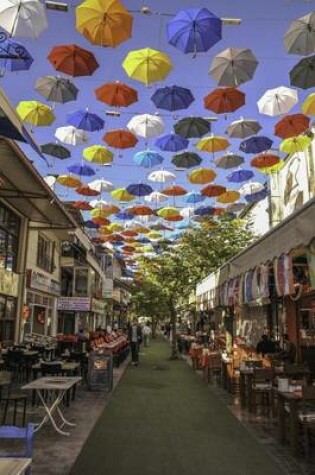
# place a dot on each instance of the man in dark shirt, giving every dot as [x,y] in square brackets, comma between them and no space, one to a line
[265,345]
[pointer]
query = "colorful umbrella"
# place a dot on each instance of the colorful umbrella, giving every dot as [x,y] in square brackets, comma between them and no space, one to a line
[250,188]
[239,176]
[186,212]
[147,65]
[174,190]
[236,207]
[302,75]
[139,189]
[101,185]
[277,101]
[71,136]
[230,196]
[103,22]
[172,98]
[81,205]
[229,160]
[161,176]
[224,100]
[81,169]
[129,232]
[308,106]
[99,203]
[146,125]
[35,113]
[90,224]
[292,125]
[212,191]
[15,56]
[192,127]
[156,197]
[85,120]
[120,139]
[242,128]
[56,89]
[98,154]
[256,144]
[194,197]
[171,143]
[186,160]
[85,190]
[56,150]
[300,37]
[116,94]
[115,227]
[69,181]
[140,210]
[194,30]
[100,220]
[148,158]
[212,144]
[124,216]
[295,144]
[233,67]
[23,18]
[202,176]
[206,211]
[255,197]
[174,218]
[73,60]
[274,169]
[121,194]
[167,212]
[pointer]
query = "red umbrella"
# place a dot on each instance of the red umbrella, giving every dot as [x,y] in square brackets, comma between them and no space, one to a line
[73,60]
[129,233]
[128,249]
[224,100]
[82,205]
[140,210]
[101,221]
[116,94]
[176,217]
[120,138]
[174,190]
[264,160]
[291,126]
[213,190]
[85,190]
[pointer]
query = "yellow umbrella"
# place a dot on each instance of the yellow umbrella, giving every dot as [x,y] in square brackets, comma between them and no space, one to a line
[99,213]
[104,22]
[202,176]
[230,196]
[104,231]
[154,235]
[167,212]
[69,180]
[308,106]
[140,229]
[115,227]
[147,65]
[121,194]
[214,143]
[295,144]
[36,113]
[98,154]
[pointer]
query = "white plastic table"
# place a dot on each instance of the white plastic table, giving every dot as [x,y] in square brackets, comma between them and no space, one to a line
[14,466]
[58,385]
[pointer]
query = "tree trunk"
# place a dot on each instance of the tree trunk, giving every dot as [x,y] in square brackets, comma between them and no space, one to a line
[154,325]
[174,352]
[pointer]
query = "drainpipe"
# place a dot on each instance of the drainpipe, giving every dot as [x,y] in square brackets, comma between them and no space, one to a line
[21,269]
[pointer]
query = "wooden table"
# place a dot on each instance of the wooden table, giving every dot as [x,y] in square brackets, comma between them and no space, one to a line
[293,399]
[14,466]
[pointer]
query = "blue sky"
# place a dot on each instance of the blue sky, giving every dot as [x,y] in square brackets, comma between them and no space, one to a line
[262,29]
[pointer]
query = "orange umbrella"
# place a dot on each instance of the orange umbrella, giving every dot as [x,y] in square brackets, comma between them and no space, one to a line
[86,191]
[213,190]
[128,249]
[73,60]
[202,176]
[224,100]
[69,180]
[265,160]
[140,210]
[230,196]
[100,220]
[116,94]
[115,238]
[82,205]
[292,125]
[174,190]
[174,218]
[129,233]
[120,138]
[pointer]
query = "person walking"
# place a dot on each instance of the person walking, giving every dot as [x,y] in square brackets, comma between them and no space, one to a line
[146,331]
[135,339]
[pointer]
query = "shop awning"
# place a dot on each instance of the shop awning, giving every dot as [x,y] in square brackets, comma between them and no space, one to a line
[295,231]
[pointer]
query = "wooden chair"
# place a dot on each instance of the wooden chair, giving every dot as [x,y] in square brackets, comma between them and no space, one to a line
[214,367]
[262,387]
[22,433]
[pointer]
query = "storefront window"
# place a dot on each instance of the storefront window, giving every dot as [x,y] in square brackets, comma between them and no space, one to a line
[7,318]
[81,282]
[9,231]
[45,254]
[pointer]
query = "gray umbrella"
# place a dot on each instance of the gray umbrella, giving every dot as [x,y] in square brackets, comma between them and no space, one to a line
[56,89]
[300,37]
[303,73]
[233,67]
[242,128]
[229,160]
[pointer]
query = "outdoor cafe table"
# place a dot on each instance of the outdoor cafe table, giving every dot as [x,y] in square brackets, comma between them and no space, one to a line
[58,387]
[293,399]
[14,466]
[246,385]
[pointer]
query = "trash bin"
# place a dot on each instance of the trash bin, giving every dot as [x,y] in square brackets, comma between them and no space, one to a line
[100,372]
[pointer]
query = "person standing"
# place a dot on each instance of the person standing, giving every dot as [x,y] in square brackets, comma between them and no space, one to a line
[146,331]
[135,338]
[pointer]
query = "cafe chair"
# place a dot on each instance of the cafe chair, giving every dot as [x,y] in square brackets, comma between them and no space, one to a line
[21,433]
[262,389]
[306,419]
[214,368]
[234,374]
[12,402]
[15,362]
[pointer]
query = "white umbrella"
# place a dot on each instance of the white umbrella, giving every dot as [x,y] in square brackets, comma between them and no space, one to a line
[101,185]
[161,176]
[146,220]
[146,125]
[277,101]
[50,180]
[71,135]
[251,188]
[155,197]
[187,212]
[98,204]
[23,18]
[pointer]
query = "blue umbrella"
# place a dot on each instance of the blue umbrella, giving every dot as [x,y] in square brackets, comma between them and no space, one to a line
[90,224]
[194,197]
[205,211]
[139,189]
[148,158]
[14,56]
[256,144]
[84,120]
[194,29]
[123,215]
[172,98]
[171,143]
[239,176]
[81,170]
[143,240]
[254,197]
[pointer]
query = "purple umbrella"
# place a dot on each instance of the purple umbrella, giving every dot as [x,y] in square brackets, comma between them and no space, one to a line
[123,215]
[14,56]
[171,143]
[172,98]
[139,189]
[84,120]
[254,197]
[239,176]
[256,144]
[90,224]
[81,170]
[205,211]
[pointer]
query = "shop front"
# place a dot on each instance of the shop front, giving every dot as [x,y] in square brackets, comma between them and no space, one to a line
[76,313]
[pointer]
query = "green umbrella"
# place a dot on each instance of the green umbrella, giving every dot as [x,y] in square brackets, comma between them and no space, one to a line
[186,160]
[56,89]
[192,127]
[302,75]
[55,150]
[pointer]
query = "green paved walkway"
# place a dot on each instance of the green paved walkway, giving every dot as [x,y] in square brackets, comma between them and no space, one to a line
[163,420]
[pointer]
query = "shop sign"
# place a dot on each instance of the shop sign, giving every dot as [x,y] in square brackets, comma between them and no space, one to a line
[9,283]
[75,304]
[38,281]
[98,306]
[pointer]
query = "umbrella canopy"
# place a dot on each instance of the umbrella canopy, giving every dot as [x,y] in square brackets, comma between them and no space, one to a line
[229,160]
[212,144]
[194,197]
[206,211]
[308,106]
[69,181]
[17,58]
[264,160]
[147,65]
[224,100]
[174,190]
[90,224]
[56,150]
[167,212]
[139,189]
[236,207]
[116,94]
[243,128]
[255,197]
[148,158]
[212,191]
[250,188]
[186,212]
[256,144]
[230,196]
[71,136]
[146,125]
[35,113]
[292,125]
[81,205]
[98,203]
[174,218]
[156,197]
[239,176]
[172,98]
[202,176]
[81,170]
[192,127]
[85,120]
[101,185]
[295,144]
[300,37]
[161,176]
[73,60]
[122,195]
[120,139]
[274,169]
[171,143]
[104,22]
[56,89]
[277,101]
[302,75]
[194,30]
[186,160]
[124,216]
[85,190]
[233,67]
[23,18]
[98,154]
[141,210]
